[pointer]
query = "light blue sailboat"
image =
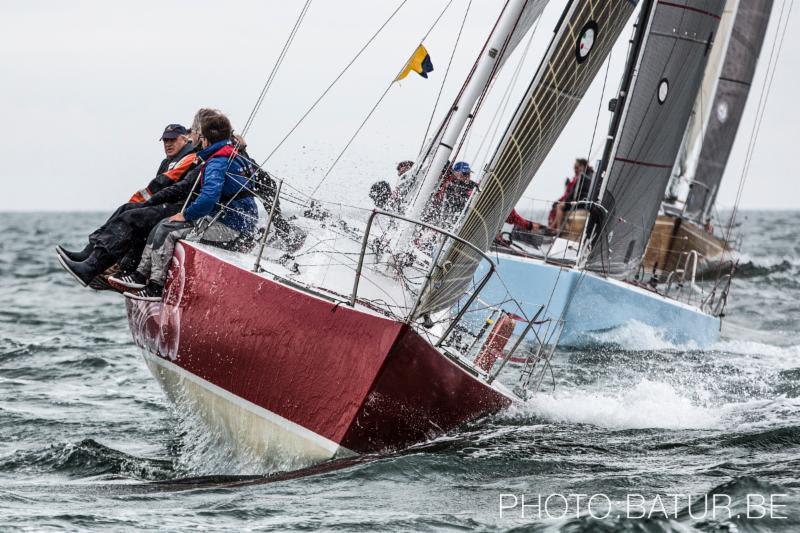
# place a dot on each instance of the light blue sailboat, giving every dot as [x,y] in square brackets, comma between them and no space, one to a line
[598,284]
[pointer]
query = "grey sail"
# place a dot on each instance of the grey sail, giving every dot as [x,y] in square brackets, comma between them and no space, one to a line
[686,163]
[733,87]
[669,70]
[583,39]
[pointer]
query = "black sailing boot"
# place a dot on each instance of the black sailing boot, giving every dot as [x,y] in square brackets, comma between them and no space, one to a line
[81,255]
[85,271]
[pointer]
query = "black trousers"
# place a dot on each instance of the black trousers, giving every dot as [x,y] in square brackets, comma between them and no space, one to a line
[124,235]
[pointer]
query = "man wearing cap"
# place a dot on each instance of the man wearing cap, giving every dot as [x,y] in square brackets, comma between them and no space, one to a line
[121,239]
[176,147]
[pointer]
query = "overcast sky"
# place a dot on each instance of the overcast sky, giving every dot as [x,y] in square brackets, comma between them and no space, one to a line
[88,86]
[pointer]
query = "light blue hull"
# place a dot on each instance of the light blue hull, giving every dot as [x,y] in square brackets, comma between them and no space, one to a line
[598,304]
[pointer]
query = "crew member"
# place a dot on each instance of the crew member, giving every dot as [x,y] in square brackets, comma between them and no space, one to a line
[576,190]
[122,238]
[223,184]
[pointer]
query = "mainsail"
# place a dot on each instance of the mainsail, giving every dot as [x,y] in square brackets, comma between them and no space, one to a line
[530,14]
[732,89]
[669,70]
[686,163]
[585,36]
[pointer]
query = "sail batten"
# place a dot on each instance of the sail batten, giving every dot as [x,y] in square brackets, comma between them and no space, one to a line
[585,36]
[670,66]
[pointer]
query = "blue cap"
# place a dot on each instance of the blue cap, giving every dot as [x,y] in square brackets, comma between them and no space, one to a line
[463,167]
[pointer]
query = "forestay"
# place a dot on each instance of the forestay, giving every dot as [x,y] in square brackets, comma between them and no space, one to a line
[583,39]
[732,89]
[670,68]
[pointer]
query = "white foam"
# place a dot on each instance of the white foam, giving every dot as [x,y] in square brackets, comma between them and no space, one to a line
[635,335]
[768,261]
[650,404]
[790,355]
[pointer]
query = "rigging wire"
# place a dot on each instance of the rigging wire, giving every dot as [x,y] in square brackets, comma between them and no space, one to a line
[494,124]
[275,68]
[377,104]
[762,105]
[444,79]
[334,82]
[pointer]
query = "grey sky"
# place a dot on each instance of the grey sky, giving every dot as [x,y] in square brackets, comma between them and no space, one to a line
[87,87]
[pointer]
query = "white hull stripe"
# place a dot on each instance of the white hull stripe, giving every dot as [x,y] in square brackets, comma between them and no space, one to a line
[284,423]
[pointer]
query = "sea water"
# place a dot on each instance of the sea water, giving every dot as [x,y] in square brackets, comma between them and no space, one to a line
[642,427]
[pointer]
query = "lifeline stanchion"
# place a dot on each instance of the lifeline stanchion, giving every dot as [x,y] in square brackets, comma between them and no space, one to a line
[257,265]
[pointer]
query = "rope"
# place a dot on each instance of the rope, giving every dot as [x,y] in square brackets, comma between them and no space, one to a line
[274,71]
[378,103]
[334,82]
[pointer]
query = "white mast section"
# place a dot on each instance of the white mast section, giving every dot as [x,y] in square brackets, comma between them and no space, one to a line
[485,67]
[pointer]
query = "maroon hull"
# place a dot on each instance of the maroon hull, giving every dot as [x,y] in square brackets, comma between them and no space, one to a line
[358,379]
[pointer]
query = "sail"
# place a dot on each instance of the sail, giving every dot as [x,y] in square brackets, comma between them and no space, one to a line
[669,71]
[693,138]
[732,89]
[516,18]
[530,14]
[585,36]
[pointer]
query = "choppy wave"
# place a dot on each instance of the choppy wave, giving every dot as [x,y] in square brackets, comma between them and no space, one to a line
[79,413]
[649,404]
[87,458]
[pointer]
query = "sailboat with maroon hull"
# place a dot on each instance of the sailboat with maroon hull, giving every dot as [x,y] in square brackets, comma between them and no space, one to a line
[350,380]
[343,354]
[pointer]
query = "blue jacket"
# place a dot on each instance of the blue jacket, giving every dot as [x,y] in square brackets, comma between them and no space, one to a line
[220,180]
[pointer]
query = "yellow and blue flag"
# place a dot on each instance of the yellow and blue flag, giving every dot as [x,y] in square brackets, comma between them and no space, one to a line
[420,62]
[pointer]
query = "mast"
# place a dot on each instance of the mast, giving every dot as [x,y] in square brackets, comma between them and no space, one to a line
[583,39]
[461,111]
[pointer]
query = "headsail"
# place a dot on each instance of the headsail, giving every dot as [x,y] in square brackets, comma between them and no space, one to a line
[669,70]
[585,36]
[733,87]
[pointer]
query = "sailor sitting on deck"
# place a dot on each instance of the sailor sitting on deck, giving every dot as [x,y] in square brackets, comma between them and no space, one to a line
[224,184]
[122,238]
[576,190]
